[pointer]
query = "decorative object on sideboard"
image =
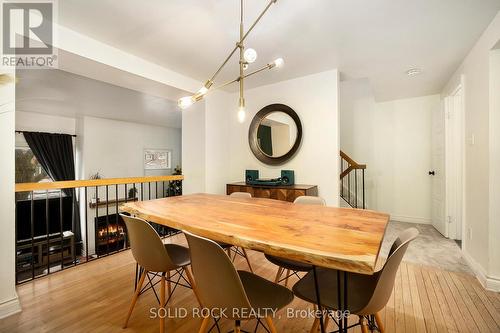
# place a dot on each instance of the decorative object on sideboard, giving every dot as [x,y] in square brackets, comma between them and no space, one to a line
[247,57]
[275,134]
[251,175]
[287,177]
[157,159]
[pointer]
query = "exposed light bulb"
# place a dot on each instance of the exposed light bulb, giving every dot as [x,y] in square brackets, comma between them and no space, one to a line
[185,102]
[279,62]
[241,114]
[250,55]
[203,90]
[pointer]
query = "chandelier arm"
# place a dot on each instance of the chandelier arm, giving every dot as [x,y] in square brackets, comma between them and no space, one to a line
[271,2]
[268,66]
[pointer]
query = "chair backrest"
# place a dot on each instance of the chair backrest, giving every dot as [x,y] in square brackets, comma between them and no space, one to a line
[240,195]
[387,275]
[218,283]
[308,200]
[147,247]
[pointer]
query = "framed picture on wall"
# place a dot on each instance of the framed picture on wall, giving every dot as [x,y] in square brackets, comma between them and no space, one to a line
[157,159]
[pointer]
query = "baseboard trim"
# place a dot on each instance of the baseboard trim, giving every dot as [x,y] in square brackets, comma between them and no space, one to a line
[488,282]
[410,219]
[10,307]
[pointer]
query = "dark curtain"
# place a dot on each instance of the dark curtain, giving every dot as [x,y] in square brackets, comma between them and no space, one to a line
[54,152]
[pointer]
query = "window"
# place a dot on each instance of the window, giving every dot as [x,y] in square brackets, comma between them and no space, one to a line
[29,170]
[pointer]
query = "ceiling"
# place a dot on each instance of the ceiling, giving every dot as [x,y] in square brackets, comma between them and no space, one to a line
[60,93]
[375,39]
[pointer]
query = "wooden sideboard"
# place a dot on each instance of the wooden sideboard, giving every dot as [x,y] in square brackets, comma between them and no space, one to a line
[282,192]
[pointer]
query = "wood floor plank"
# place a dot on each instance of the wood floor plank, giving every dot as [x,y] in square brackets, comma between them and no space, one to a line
[415,298]
[93,298]
[443,304]
[479,312]
[464,310]
[434,304]
[450,300]
[495,314]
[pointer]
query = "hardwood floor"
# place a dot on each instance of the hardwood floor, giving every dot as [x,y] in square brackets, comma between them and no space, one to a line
[94,297]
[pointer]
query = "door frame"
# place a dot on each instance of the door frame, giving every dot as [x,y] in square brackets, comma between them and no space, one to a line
[455,181]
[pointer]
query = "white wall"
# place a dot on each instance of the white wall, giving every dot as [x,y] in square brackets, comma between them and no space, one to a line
[480,220]
[9,302]
[313,97]
[115,148]
[38,122]
[193,146]
[494,140]
[394,140]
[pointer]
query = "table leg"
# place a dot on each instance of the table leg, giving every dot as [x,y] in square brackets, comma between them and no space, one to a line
[342,301]
[318,299]
[339,301]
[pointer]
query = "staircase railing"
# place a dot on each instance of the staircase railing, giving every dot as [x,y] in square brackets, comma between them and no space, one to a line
[352,181]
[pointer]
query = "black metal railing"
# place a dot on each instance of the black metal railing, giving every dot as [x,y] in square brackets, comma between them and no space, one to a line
[64,224]
[352,182]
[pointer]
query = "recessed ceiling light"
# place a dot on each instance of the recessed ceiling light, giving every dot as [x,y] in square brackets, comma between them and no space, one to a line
[413,71]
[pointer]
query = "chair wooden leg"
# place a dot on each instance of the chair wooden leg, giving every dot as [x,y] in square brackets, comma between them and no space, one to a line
[247,259]
[237,327]
[364,327]
[135,297]
[315,326]
[270,324]
[287,276]
[379,322]
[204,325]
[162,303]
[169,285]
[193,284]
[278,275]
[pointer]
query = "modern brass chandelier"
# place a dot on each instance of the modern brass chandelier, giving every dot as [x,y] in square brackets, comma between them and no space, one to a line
[247,57]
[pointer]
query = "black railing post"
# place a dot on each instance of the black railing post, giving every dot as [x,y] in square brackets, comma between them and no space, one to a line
[48,229]
[107,219]
[32,218]
[96,222]
[61,228]
[349,186]
[86,228]
[364,205]
[356,187]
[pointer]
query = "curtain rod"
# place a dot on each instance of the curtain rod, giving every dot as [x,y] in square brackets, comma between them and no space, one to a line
[73,135]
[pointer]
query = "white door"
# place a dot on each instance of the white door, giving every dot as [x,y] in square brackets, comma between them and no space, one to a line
[454,163]
[438,196]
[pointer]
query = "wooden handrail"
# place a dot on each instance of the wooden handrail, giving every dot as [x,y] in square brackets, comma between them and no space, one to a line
[26,187]
[353,165]
[351,162]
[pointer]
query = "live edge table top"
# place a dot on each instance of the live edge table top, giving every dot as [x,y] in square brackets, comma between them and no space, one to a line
[341,238]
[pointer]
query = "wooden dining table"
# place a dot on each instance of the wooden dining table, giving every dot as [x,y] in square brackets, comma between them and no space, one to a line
[348,240]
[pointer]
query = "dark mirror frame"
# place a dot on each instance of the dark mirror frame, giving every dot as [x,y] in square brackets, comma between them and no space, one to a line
[254,127]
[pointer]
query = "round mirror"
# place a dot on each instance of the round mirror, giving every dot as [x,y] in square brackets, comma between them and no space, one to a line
[275,134]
